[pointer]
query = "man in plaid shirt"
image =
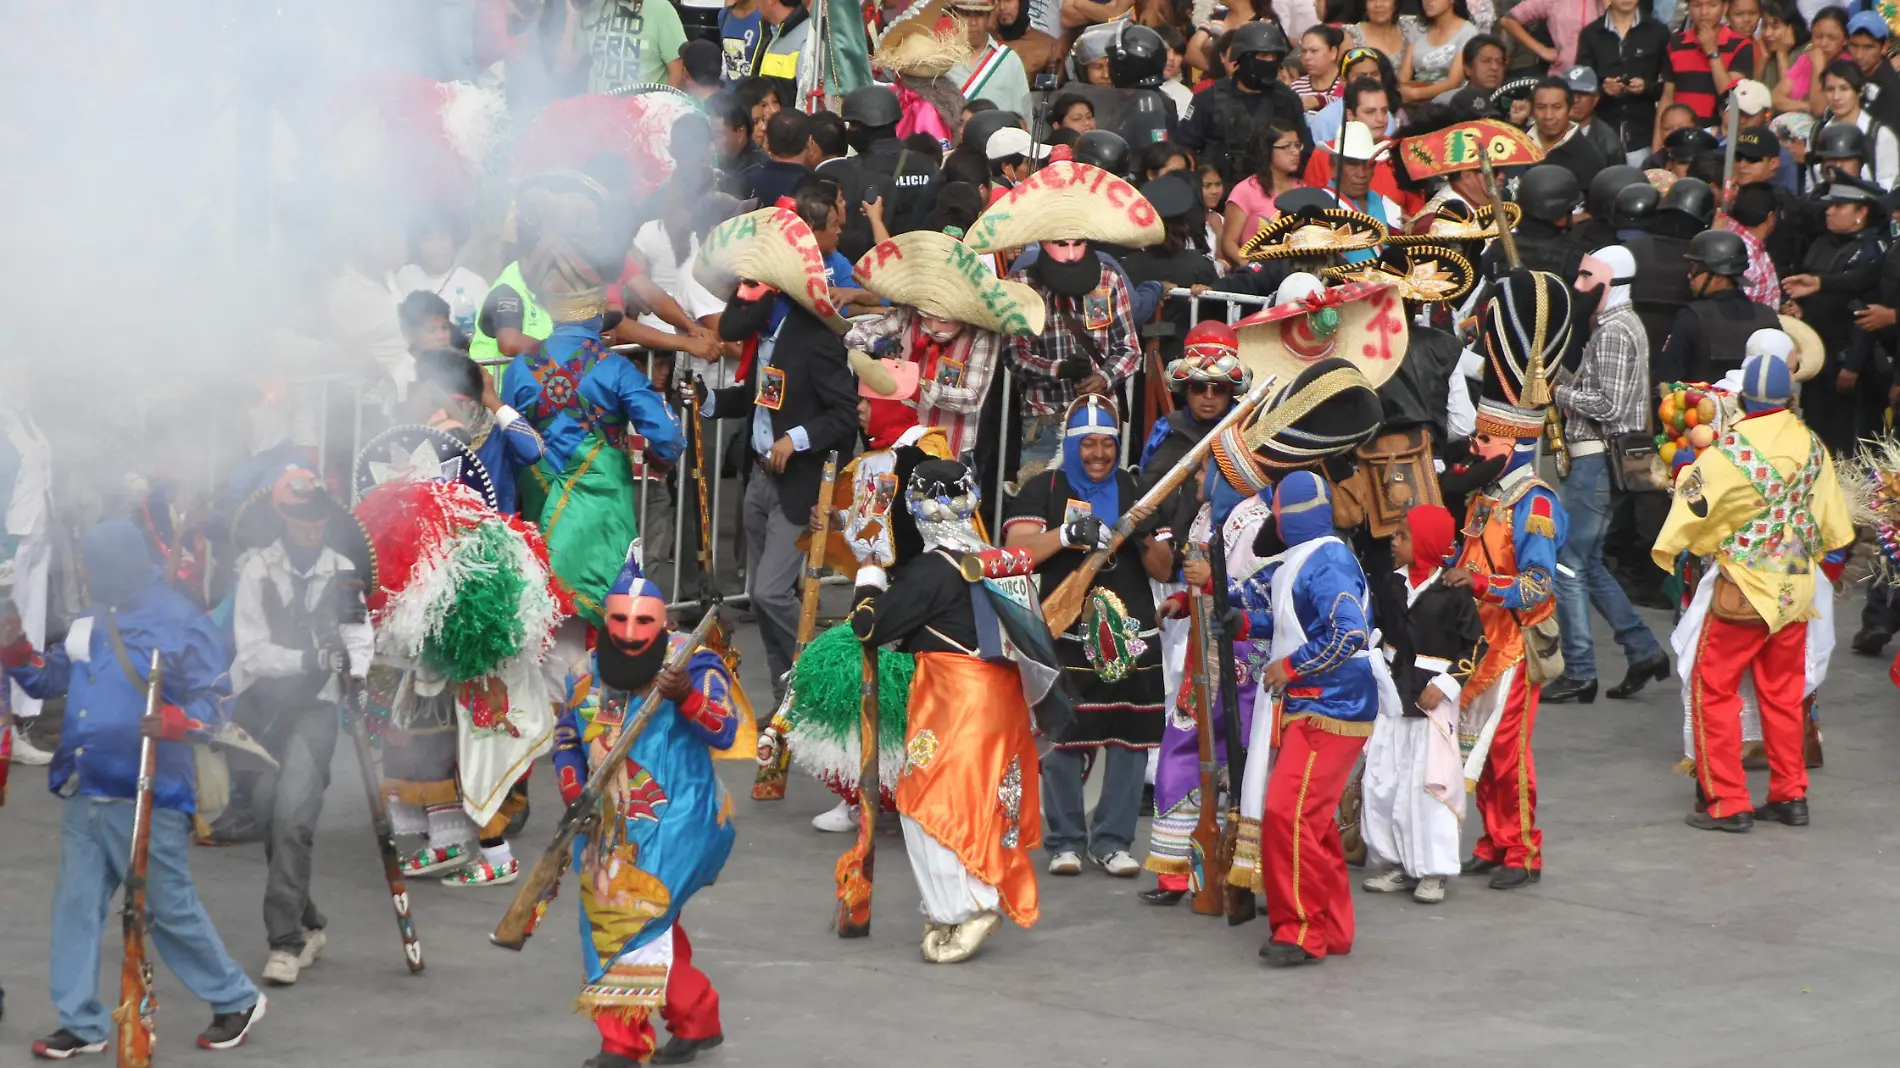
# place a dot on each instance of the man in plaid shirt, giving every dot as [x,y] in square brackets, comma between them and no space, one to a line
[1088,343]
[956,362]
[1608,397]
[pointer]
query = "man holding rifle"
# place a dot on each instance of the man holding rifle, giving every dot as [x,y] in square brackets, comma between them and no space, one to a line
[99,670]
[299,622]
[664,826]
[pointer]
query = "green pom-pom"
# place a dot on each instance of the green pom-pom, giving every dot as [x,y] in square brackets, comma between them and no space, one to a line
[829,677]
[482,627]
[1324,321]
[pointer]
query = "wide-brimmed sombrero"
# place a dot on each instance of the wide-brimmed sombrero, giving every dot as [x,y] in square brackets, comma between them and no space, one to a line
[1455,220]
[773,246]
[1314,232]
[1067,201]
[939,275]
[421,453]
[1427,274]
[257,523]
[1809,353]
[923,42]
[1362,323]
[1460,147]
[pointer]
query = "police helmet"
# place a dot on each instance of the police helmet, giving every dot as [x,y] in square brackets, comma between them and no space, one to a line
[1633,206]
[1687,143]
[1259,38]
[1840,140]
[1719,252]
[1548,192]
[1137,58]
[1608,182]
[1104,149]
[1692,197]
[873,105]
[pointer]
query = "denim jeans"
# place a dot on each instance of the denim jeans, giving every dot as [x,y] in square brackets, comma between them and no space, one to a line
[1586,500]
[95,843]
[1112,826]
[292,796]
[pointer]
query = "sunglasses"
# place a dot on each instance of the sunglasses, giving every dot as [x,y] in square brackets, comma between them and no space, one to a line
[1208,387]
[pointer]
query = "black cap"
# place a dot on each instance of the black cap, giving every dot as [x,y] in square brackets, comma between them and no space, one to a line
[1469,103]
[1171,195]
[1687,143]
[1757,143]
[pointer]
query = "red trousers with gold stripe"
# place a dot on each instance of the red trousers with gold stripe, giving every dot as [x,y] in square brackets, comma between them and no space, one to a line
[691,1009]
[1507,788]
[1778,663]
[1309,891]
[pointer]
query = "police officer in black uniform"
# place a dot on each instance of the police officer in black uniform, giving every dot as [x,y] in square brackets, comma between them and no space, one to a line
[1708,337]
[1220,122]
[1137,64]
[882,167]
[1840,275]
[1599,230]
[1547,194]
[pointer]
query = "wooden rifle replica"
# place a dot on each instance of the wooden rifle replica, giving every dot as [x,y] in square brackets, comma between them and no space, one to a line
[356,718]
[1061,608]
[774,766]
[538,889]
[1507,241]
[138,1005]
[1208,876]
[1240,906]
[855,868]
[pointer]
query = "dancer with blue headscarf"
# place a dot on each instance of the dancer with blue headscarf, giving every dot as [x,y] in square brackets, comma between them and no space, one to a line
[1113,653]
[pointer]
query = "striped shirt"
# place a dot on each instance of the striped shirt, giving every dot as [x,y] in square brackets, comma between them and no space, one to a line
[1687,68]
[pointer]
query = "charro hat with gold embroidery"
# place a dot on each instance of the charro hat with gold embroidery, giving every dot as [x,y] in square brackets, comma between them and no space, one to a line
[773,246]
[1314,232]
[1455,220]
[1423,274]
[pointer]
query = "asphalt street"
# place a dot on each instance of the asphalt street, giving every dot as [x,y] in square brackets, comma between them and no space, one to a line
[1647,943]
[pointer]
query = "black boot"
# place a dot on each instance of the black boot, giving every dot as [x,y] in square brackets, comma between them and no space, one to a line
[1656,667]
[1510,878]
[1476,866]
[1793,813]
[1869,642]
[1582,691]
[1740,823]
[681,1050]
[1159,896]
[1280,954]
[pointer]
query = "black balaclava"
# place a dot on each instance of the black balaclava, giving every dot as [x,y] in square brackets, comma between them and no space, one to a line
[1259,71]
[1072,280]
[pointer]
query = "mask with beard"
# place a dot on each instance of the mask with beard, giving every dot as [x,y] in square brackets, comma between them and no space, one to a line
[629,672]
[1075,279]
[1259,72]
[1466,472]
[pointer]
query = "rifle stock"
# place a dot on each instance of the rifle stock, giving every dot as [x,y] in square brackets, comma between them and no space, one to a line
[517,924]
[769,785]
[384,829]
[1061,608]
[138,1005]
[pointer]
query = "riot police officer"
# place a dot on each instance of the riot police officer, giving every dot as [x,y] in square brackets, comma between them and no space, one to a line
[1547,194]
[882,167]
[1221,121]
[1707,338]
[1599,230]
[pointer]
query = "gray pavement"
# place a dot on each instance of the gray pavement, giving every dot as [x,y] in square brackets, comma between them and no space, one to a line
[1647,943]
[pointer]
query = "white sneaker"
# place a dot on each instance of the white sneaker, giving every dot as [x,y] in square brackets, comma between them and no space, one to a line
[1119,864]
[27,754]
[1430,891]
[282,968]
[1390,881]
[839,820]
[1067,862]
[313,941]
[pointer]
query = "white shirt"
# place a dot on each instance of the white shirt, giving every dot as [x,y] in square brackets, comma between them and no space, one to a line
[461,287]
[258,656]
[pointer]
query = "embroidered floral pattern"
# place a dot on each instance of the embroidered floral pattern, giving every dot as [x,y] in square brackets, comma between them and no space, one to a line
[1009,797]
[921,751]
[1782,536]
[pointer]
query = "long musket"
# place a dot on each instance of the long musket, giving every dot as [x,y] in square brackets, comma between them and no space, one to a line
[538,889]
[854,880]
[769,785]
[138,1005]
[380,822]
[1061,608]
[1208,877]
[1240,906]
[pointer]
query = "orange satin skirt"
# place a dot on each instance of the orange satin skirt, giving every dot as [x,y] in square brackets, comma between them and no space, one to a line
[971,776]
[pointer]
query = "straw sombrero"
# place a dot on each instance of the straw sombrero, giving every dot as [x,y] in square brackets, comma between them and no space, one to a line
[1455,220]
[1427,274]
[1067,201]
[1362,323]
[1809,353]
[924,42]
[773,246]
[1314,232]
[939,275]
